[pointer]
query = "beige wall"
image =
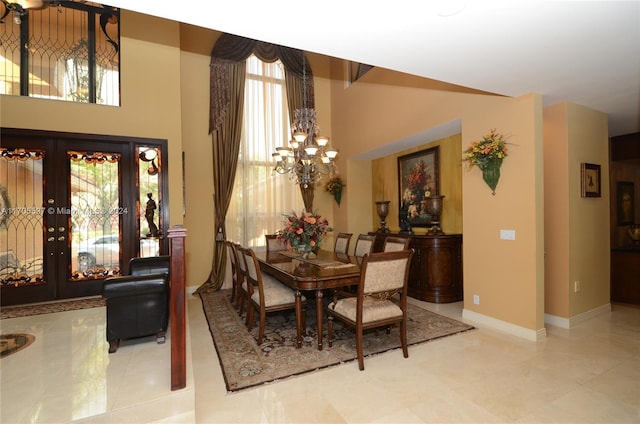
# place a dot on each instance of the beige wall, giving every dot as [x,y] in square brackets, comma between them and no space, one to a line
[196,44]
[589,243]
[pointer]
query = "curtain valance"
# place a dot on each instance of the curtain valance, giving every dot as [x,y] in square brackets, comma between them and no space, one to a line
[231,49]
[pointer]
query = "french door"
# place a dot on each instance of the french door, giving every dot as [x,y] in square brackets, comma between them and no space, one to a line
[71,212]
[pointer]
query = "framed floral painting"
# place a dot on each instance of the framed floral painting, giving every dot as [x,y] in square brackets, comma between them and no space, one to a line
[418,178]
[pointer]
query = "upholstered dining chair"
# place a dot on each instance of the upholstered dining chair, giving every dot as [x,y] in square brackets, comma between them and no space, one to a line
[381,300]
[274,244]
[392,244]
[266,294]
[364,245]
[342,243]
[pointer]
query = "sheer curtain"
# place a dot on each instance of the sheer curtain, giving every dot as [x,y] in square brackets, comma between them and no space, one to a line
[260,198]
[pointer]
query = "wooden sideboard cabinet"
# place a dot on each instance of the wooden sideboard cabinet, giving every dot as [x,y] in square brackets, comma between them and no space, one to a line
[436,267]
[625,269]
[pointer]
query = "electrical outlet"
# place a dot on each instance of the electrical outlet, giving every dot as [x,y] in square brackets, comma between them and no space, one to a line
[576,286]
[476,299]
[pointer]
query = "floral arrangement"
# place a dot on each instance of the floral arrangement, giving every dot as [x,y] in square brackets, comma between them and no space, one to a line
[334,186]
[304,232]
[417,178]
[487,154]
[492,146]
[419,186]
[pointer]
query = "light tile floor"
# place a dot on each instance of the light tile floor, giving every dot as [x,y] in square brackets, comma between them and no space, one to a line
[589,374]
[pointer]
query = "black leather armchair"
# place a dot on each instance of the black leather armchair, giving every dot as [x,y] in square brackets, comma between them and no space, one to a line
[138,304]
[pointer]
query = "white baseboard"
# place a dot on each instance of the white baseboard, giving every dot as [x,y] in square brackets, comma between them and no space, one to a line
[573,321]
[507,327]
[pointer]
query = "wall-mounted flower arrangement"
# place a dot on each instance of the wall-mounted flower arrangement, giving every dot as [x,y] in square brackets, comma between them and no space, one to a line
[487,154]
[335,186]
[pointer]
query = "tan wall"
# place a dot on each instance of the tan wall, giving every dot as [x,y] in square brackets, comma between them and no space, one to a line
[507,275]
[556,209]
[589,243]
[196,44]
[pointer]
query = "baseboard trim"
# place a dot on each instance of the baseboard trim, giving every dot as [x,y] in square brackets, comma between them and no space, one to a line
[569,323]
[507,327]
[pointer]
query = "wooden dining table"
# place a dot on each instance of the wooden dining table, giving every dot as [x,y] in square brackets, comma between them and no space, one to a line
[327,270]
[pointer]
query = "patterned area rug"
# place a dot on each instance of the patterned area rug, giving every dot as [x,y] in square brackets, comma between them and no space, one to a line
[12,343]
[246,364]
[51,307]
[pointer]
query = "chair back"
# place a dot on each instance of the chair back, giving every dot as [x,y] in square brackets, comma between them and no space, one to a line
[253,274]
[240,263]
[364,245]
[385,272]
[150,265]
[231,251]
[393,244]
[274,244]
[342,243]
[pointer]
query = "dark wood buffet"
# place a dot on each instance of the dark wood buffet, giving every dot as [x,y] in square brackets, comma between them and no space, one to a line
[436,267]
[625,272]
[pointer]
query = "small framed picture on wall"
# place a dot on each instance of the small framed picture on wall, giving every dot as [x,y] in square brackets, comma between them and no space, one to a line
[625,203]
[590,180]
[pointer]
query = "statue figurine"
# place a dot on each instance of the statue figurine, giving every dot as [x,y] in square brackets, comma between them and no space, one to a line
[150,211]
[403,218]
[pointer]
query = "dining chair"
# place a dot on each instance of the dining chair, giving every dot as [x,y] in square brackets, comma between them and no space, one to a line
[243,290]
[342,243]
[266,294]
[364,245]
[393,244]
[231,251]
[274,244]
[381,300]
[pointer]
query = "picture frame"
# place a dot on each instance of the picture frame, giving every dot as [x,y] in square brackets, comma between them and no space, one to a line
[625,203]
[418,178]
[590,180]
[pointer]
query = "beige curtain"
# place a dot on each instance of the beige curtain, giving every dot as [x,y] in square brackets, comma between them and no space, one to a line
[227,80]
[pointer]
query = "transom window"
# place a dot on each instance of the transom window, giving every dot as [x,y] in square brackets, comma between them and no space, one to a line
[66,51]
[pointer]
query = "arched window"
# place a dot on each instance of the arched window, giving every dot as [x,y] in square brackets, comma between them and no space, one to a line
[260,198]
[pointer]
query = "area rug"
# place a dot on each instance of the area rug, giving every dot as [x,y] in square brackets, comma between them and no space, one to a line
[246,364]
[12,343]
[50,307]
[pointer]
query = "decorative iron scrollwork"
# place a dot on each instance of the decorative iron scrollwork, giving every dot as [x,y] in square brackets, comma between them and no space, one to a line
[93,157]
[21,154]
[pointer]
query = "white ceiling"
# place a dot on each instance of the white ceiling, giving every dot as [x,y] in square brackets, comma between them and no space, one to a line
[585,52]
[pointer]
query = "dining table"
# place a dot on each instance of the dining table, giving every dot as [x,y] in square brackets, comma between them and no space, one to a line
[324,270]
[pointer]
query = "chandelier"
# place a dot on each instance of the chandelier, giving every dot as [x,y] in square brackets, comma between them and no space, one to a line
[19,8]
[308,158]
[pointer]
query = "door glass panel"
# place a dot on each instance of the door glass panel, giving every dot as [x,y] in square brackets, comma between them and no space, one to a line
[94,215]
[21,217]
[149,163]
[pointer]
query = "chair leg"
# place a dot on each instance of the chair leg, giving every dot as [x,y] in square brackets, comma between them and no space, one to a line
[403,338]
[263,318]
[113,345]
[160,337]
[240,303]
[330,330]
[359,344]
[250,317]
[233,293]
